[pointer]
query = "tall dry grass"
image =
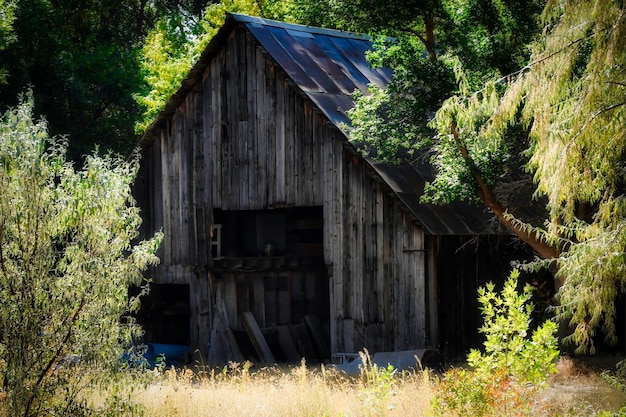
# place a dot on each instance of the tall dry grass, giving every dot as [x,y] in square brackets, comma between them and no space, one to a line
[298,391]
[316,391]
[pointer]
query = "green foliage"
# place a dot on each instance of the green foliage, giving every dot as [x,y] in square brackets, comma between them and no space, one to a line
[366,16]
[617,380]
[66,262]
[7,16]
[80,59]
[503,378]
[506,327]
[472,40]
[570,101]
[392,122]
[378,386]
[176,43]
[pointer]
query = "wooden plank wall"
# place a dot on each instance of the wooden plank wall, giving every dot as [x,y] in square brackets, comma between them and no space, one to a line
[246,138]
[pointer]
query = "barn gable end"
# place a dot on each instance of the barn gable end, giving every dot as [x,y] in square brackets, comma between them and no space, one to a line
[266,208]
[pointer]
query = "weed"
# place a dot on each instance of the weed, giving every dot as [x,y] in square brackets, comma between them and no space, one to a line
[378,386]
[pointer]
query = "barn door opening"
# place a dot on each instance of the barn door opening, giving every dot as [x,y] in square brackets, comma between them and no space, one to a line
[272,271]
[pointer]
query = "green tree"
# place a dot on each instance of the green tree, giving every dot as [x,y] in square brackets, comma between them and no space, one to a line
[7,15]
[66,262]
[82,60]
[479,40]
[530,123]
[569,99]
[176,42]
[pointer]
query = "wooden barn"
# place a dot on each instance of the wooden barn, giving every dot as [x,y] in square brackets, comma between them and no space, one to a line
[281,240]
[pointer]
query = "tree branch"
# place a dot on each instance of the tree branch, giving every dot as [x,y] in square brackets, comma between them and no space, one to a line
[428,39]
[496,207]
[57,354]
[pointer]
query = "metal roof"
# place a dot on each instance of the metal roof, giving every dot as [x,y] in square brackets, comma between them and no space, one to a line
[328,66]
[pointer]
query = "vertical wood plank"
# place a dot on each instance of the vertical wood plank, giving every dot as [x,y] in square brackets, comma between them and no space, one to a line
[258,290]
[306,157]
[262,138]
[290,139]
[230,299]
[433,290]
[280,157]
[328,232]
[216,128]
[201,315]
[284,298]
[379,242]
[316,144]
[165,187]
[338,255]
[271,300]
[287,344]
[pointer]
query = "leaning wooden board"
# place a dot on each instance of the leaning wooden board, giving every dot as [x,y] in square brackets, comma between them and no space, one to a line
[257,338]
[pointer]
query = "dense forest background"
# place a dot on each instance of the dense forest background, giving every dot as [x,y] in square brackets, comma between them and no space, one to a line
[100,70]
[518,104]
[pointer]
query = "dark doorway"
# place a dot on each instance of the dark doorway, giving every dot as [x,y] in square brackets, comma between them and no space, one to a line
[164,314]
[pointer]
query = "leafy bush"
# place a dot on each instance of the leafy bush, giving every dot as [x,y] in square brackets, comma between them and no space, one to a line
[503,378]
[66,261]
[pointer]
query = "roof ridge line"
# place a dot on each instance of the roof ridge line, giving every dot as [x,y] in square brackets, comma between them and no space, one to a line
[243,18]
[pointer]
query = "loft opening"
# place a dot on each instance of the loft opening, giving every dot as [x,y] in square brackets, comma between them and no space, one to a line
[271,264]
[296,231]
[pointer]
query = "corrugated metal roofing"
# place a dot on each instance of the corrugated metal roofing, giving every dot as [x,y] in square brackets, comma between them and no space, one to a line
[328,66]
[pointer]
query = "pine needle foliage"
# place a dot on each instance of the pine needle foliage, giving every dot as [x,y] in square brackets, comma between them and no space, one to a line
[571,99]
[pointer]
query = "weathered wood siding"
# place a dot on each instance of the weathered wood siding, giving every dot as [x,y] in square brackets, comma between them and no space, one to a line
[245,139]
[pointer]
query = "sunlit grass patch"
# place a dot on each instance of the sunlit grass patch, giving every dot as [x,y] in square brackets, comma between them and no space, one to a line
[297,391]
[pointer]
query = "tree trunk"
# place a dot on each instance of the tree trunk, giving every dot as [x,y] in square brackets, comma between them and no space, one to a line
[489,198]
[430,38]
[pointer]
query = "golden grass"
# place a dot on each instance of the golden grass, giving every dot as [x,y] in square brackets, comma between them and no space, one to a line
[578,390]
[306,391]
[297,392]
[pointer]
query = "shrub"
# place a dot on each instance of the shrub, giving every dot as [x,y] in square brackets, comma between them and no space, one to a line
[502,379]
[66,261]
[378,386]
